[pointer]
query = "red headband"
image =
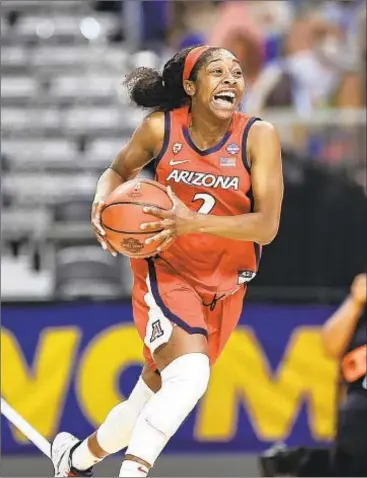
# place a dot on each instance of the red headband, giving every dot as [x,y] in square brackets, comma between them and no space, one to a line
[192,59]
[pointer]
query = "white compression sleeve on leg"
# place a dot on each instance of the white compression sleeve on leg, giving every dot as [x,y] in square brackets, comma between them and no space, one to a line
[184,382]
[115,432]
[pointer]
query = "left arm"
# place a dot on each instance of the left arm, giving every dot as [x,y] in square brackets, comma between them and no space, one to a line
[267,184]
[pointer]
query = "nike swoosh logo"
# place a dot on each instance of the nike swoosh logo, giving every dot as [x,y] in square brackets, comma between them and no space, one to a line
[174,163]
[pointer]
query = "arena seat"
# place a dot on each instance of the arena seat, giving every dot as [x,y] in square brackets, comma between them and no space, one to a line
[145,57]
[63,25]
[72,211]
[37,5]
[76,86]
[92,118]
[106,149]
[4,26]
[14,118]
[87,271]
[30,120]
[19,222]
[47,188]
[52,148]
[13,55]
[52,56]
[18,87]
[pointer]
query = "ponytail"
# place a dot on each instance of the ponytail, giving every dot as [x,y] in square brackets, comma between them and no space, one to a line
[146,87]
[149,89]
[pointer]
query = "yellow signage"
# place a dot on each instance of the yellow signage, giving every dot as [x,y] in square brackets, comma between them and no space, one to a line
[241,378]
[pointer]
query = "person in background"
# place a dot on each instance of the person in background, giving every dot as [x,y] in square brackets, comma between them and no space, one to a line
[344,338]
[189,23]
[248,48]
[318,69]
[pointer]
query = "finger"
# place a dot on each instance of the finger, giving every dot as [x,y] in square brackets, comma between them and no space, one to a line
[157,225]
[96,217]
[157,212]
[152,225]
[165,244]
[96,221]
[106,246]
[158,237]
[97,206]
[97,226]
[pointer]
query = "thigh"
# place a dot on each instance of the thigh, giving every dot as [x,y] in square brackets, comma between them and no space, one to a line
[222,321]
[163,303]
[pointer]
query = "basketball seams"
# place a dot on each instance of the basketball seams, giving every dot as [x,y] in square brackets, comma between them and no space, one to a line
[131,232]
[155,185]
[134,203]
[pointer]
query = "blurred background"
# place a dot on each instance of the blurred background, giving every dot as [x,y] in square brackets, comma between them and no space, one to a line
[66,310]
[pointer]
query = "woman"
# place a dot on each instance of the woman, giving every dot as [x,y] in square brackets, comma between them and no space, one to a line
[223,170]
[345,338]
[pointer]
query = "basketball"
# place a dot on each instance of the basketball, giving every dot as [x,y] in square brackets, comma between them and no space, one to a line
[123,214]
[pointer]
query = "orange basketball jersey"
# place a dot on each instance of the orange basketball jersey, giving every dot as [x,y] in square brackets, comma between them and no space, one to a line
[213,181]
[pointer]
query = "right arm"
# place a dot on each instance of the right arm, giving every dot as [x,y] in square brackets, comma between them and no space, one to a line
[339,328]
[144,145]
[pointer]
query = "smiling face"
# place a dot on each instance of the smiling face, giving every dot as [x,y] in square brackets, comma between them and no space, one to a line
[219,85]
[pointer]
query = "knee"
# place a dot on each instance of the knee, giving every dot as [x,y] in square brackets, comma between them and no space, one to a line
[190,373]
[184,382]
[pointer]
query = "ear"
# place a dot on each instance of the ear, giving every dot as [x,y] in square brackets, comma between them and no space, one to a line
[189,87]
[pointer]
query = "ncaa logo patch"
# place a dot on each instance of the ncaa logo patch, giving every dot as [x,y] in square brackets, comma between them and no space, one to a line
[233,148]
[176,148]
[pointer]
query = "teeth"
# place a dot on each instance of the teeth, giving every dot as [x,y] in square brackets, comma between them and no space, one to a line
[226,93]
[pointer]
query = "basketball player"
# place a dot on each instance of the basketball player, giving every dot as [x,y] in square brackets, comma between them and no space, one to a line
[224,171]
[345,339]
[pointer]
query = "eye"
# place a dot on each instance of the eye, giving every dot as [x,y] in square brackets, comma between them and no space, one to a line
[238,73]
[217,71]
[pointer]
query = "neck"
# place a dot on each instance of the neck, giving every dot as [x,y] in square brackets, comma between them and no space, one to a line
[206,131]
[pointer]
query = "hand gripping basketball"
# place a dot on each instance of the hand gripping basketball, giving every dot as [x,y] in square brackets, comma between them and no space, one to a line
[177,221]
[122,214]
[98,229]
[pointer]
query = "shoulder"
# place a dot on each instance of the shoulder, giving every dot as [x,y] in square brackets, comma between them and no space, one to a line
[153,124]
[263,141]
[262,131]
[150,132]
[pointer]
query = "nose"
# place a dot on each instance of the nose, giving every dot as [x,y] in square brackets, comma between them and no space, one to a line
[230,79]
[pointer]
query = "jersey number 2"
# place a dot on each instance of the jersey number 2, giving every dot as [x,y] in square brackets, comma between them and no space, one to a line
[208,202]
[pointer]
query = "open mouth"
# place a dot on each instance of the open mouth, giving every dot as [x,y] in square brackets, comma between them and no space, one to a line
[225,99]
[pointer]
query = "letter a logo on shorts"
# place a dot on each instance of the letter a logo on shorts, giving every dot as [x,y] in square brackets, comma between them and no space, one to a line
[157,331]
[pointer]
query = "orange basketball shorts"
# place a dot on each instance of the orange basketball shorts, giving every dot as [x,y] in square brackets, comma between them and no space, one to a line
[162,300]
